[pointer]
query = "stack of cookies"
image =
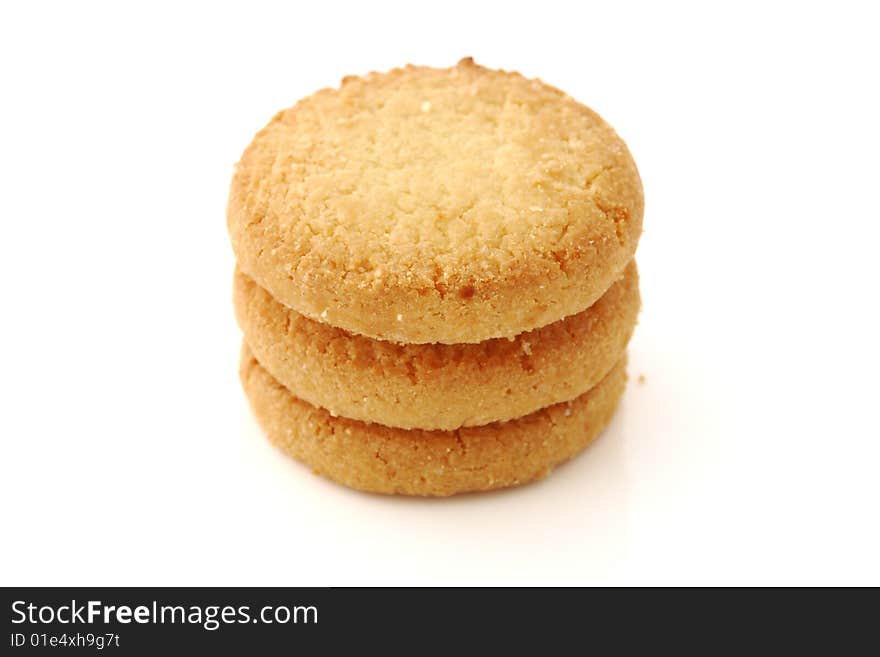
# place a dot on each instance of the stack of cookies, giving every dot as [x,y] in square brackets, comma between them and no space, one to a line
[435,278]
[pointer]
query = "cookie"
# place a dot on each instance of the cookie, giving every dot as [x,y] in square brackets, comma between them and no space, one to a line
[380,459]
[437,386]
[431,205]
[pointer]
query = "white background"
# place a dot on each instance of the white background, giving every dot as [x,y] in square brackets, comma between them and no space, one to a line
[750,455]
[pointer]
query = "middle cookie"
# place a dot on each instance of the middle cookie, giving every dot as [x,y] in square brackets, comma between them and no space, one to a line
[437,386]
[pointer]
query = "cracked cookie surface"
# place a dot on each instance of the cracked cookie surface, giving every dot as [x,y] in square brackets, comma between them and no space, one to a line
[437,386]
[431,205]
[380,459]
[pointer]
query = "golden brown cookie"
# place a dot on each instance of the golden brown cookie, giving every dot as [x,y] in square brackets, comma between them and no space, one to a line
[379,459]
[437,386]
[436,205]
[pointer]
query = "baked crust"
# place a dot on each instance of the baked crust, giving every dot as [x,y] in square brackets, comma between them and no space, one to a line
[430,205]
[437,386]
[379,459]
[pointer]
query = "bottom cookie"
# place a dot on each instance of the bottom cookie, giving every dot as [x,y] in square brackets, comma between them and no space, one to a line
[379,459]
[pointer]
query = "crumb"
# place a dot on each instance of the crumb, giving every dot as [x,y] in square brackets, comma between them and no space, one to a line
[399,317]
[527,347]
[642,378]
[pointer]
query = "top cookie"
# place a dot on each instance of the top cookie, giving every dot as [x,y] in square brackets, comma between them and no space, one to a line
[436,205]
